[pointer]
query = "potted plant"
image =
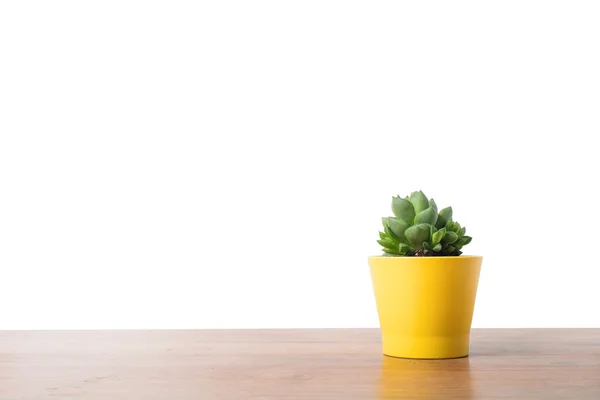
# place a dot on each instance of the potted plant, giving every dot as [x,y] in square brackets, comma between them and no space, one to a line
[424,288]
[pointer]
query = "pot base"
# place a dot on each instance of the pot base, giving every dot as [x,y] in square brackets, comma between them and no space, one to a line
[425,359]
[426,347]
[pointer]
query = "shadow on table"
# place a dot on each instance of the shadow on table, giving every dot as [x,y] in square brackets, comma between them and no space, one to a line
[425,379]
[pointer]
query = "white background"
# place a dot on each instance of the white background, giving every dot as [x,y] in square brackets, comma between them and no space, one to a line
[225,164]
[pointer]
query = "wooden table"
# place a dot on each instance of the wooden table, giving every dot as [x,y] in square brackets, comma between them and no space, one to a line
[292,364]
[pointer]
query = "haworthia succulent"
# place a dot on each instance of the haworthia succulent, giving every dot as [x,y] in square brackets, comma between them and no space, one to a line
[417,229]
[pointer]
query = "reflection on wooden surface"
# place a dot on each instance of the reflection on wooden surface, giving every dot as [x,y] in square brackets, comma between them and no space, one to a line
[425,379]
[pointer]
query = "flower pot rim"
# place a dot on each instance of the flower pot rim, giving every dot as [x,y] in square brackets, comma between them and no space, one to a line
[427,257]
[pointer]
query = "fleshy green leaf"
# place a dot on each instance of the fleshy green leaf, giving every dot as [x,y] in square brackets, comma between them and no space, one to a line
[417,234]
[433,205]
[427,246]
[391,251]
[427,216]
[386,227]
[447,213]
[450,237]
[387,244]
[398,226]
[444,216]
[391,235]
[385,221]
[461,232]
[438,236]
[403,209]
[452,226]
[463,241]
[404,248]
[437,247]
[419,201]
[382,236]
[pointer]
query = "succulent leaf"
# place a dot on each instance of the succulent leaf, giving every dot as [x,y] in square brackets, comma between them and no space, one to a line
[427,216]
[404,248]
[403,209]
[463,241]
[438,236]
[452,226]
[419,201]
[388,244]
[433,205]
[398,226]
[391,235]
[386,227]
[444,216]
[417,234]
[385,221]
[450,237]
[437,247]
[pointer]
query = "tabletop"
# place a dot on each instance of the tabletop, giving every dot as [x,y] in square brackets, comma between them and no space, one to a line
[292,364]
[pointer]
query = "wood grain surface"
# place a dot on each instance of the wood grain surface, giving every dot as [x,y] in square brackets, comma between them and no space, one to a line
[292,364]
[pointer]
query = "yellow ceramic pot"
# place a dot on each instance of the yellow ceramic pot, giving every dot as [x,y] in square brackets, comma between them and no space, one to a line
[425,304]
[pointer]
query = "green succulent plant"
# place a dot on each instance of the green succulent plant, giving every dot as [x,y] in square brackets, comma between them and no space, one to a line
[418,229]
